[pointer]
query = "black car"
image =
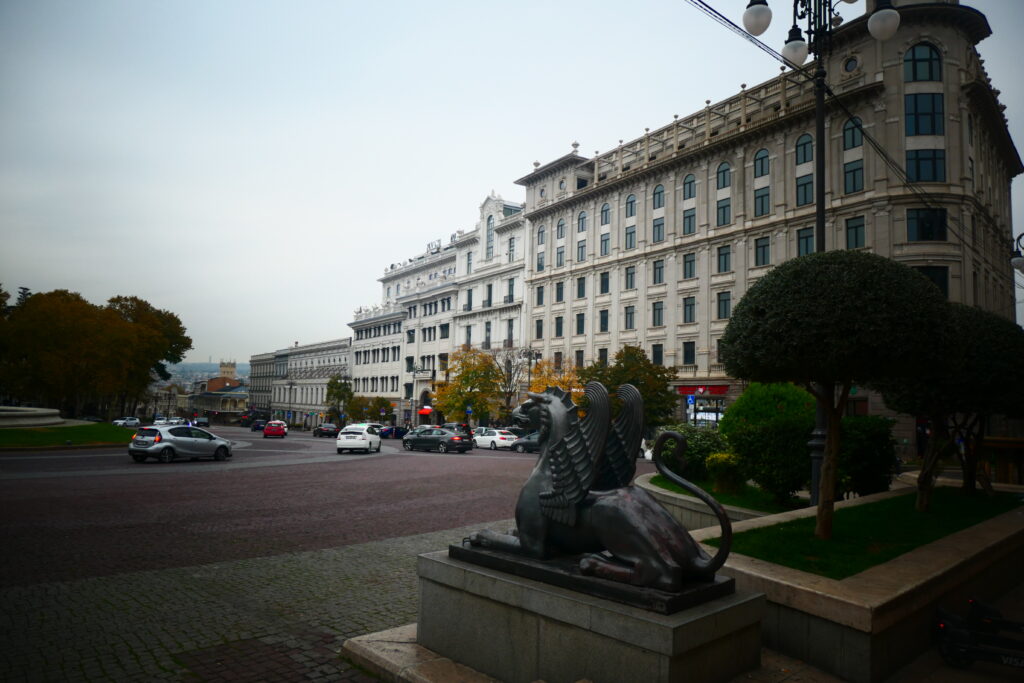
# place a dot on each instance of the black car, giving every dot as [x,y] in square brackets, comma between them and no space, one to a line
[392,432]
[257,425]
[326,429]
[436,439]
[527,444]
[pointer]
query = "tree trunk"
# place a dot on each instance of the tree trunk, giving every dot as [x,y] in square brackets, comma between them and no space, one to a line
[829,471]
[972,434]
[937,444]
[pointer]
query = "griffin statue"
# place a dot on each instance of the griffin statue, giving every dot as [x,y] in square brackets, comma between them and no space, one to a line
[579,501]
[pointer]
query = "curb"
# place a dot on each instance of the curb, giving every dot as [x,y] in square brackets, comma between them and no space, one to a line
[64,447]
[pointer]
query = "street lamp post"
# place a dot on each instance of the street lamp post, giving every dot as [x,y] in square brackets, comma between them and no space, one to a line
[531,356]
[821,18]
[1017,261]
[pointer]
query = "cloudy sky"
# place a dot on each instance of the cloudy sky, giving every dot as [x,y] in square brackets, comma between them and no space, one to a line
[253,165]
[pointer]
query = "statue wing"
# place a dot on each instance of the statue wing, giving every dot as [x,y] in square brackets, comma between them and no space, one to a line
[623,443]
[575,461]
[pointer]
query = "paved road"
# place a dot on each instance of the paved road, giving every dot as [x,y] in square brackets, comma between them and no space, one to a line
[251,570]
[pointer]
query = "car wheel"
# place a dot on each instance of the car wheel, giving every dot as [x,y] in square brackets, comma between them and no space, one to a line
[220,454]
[340,451]
[520,448]
[167,455]
[264,436]
[407,445]
[494,446]
[442,447]
[138,457]
[378,446]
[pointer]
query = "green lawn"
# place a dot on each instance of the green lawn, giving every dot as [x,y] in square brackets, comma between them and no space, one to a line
[96,433]
[750,497]
[867,535]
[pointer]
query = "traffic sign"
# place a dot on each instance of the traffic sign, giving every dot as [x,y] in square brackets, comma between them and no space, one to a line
[690,400]
[469,410]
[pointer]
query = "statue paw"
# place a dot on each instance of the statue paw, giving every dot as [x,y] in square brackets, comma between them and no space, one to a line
[588,565]
[475,539]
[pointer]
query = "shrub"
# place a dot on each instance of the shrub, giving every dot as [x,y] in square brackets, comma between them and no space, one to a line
[726,471]
[768,428]
[867,456]
[700,443]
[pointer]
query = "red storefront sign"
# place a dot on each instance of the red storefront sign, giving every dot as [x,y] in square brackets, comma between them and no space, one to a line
[703,389]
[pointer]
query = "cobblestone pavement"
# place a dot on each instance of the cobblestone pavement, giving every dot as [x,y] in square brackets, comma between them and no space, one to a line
[279,618]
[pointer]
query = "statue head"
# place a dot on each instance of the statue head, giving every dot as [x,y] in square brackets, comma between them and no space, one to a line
[551,410]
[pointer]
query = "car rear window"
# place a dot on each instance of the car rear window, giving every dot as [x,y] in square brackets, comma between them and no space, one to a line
[145,431]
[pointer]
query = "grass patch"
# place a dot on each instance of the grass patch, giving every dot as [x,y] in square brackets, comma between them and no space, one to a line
[867,535]
[36,437]
[749,497]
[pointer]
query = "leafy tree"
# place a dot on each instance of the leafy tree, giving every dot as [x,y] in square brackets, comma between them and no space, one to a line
[545,374]
[339,393]
[975,372]
[23,295]
[768,427]
[631,366]
[358,409]
[513,366]
[4,298]
[867,456]
[378,404]
[474,382]
[162,337]
[701,442]
[826,321]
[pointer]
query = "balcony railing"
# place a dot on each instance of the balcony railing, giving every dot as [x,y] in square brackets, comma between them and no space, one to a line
[487,303]
[509,298]
[467,307]
[507,344]
[486,344]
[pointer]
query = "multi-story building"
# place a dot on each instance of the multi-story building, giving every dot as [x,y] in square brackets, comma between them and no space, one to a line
[653,242]
[291,383]
[261,380]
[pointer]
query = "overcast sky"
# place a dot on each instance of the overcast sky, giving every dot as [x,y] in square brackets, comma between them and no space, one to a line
[253,165]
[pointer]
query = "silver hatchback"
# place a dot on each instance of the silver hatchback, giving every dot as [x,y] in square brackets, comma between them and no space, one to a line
[167,442]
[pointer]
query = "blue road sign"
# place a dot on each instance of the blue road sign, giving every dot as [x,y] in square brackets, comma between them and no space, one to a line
[690,400]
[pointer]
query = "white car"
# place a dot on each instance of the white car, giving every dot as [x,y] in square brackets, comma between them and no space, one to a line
[494,439]
[358,437]
[127,422]
[160,422]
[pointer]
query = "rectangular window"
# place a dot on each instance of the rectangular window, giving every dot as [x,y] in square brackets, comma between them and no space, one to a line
[926,165]
[630,277]
[606,240]
[658,314]
[855,232]
[469,335]
[558,326]
[762,251]
[724,212]
[689,353]
[559,292]
[724,305]
[762,201]
[939,275]
[631,237]
[658,230]
[853,176]
[689,309]
[658,272]
[804,190]
[538,329]
[559,257]
[581,251]
[444,330]
[605,279]
[689,221]
[602,356]
[540,261]
[558,360]
[804,241]
[630,321]
[511,249]
[540,295]
[924,114]
[581,287]
[689,266]
[580,322]
[924,225]
[602,320]
[657,354]
[579,358]
[724,259]
[469,263]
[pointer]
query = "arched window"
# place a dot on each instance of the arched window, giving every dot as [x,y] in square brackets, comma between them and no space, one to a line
[581,222]
[658,197]
[490,236]
[606,214]
[560,229]
[630,206]
[853,136]
[540,235]
[922,63]
[723,175]
[761,163]
[804,148]
[689,187]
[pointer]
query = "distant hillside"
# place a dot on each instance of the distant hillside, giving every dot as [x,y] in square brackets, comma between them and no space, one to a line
[210,369]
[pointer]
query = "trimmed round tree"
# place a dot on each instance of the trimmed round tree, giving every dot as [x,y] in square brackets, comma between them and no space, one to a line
[829,320]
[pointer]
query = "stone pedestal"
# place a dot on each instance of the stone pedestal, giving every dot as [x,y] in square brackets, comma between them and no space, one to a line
[519,630]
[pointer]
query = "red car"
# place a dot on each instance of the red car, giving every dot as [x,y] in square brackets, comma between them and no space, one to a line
[274,428]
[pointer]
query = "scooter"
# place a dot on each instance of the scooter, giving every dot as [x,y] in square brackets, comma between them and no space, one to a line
[983,635]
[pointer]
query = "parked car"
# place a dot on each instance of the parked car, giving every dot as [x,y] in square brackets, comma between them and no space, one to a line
[127,422]
[92,418]
[358,437]
[494,439]
[326,429]
[167,442]
[517,430]
[458,428]
[434,439]
[201,422]
[257,425]
[176,421]
[274,428]
[527,444]
[160,421]
[393,432]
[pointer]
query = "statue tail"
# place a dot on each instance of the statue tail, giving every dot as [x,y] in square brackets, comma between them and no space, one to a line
[706,567]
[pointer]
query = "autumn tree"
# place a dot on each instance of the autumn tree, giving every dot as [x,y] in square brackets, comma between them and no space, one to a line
[474,383]
[546,373]
[828,320]
[513,367]
[358,408]
[632,366]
